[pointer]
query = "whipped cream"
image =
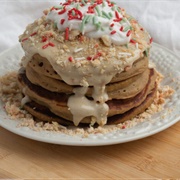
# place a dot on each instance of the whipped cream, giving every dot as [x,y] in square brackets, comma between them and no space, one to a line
[93,19]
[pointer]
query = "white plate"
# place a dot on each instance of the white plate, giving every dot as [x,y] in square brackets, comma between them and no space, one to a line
[166,63]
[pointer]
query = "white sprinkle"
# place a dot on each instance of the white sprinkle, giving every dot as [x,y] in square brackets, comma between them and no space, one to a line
[137,45]
[127,21]
[80,58]
[124,54]
[70,27]
[149,36]
[31,38]
[137,35]
[77,50]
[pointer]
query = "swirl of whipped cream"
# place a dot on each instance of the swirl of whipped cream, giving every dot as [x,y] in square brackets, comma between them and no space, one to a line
[94,19]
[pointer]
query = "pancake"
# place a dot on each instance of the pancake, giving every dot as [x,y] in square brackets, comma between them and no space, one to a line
[120,118]
[42,66]
[42,113]
[57,102]
[87,65]
[119,90]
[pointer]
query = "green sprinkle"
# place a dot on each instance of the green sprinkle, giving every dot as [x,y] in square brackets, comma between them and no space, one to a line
[127,45]
[126,29]
[146,52]
[110,28]
[85,18]
[58,7]
[110,14]
[113,8]
[103,4]
[95,20]
[88,19]
[131,28]
[83,23]
[98,26]
[118,9]
[105,14]
[92,2]
[123,21]
[73,13]
[130,18]
[102,29]
[55,25]
[83,2]
[78,6]
[98,11]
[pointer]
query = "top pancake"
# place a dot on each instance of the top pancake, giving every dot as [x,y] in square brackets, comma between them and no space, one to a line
[81,57]
[42,66]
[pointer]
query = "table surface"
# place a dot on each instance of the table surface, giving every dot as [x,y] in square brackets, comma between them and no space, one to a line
[157,156]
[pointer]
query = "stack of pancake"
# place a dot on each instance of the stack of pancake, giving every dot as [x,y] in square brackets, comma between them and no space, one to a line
[130,91]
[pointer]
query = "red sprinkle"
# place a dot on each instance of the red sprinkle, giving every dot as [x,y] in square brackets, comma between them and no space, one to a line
[96,45]
[78,14]
[121,29]
[66,3]
[112,25]
[44,39]
[81,38]
[91,9]
[33,34]
[62,11]
[45,46]
[62,21]
[117,20]
[51,44]
[113,32]
[117,15]
[99,1]
[52,8]
[123,127]
[128,33]
[151,40]
[50,34]
[45,24]
[70,58]
[110,4]
[97,55]
[25,39]
[133,41]
[142,29]
[67,33]
[89,58]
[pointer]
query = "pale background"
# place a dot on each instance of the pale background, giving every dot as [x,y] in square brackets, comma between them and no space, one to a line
[160,17]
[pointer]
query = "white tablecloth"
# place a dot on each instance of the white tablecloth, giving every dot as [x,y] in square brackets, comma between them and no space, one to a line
[160,17]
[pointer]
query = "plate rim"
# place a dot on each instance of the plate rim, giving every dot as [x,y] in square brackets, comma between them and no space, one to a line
[82,141]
